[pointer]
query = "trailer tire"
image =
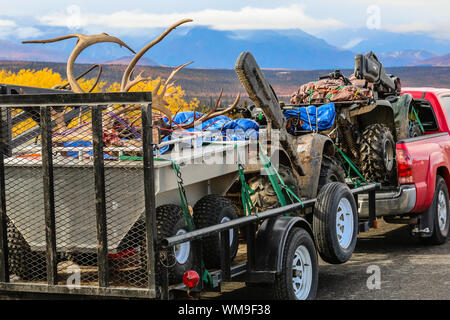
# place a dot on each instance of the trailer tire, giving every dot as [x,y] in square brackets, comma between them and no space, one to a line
[209,211]
[441,214]
[170,221]
[24,263]
[330,171]
[299,268]
[377,151]
[335,223]
[265,197]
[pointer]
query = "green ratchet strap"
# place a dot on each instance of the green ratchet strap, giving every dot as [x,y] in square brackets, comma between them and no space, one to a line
[333,92]
[246,191]
[273,176]
[352,166]
[187,216]
[417,119]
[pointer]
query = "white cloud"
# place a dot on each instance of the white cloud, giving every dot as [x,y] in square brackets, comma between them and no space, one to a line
[247,18]
[7,23]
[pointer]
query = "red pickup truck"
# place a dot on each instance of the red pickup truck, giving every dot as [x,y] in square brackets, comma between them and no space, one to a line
[421,197]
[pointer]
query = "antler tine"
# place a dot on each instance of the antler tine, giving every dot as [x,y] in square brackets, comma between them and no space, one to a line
[83,42]
[100,70]
[139,78]
[138,56]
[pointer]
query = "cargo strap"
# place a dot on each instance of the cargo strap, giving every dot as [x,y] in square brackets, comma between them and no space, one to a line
[351,167]
[417,119]
[246,191]
[273,175]
[187,215]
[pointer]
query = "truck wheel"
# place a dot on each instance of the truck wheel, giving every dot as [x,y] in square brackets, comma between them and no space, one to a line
[441,214]
[170,221]
[330,171]
[265,197]
[209,211]
[299,276]
[24,263]
[377,151]
[335,223]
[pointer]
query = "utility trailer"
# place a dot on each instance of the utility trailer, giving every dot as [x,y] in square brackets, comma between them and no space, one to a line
[76,222]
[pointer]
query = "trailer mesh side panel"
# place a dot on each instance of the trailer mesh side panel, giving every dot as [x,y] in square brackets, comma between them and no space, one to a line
[75,201]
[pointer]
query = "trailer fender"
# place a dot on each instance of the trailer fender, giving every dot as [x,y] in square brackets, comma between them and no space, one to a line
[311,148]
[271,240]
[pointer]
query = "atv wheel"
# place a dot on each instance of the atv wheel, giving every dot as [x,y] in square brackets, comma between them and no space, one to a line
[170,221]
[265,197]
[330,171]
[335,223]
[377,151]
[24,263]
[209,211]
[299,276]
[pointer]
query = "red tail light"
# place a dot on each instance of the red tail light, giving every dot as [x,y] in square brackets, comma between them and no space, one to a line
[191,279]
[404,167]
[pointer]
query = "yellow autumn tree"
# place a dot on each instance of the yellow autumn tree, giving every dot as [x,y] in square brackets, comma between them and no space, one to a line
[47,78]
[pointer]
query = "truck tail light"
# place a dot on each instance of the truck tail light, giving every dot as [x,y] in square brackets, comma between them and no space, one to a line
[404,167]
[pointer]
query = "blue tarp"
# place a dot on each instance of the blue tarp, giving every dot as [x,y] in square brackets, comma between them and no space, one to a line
[326,115]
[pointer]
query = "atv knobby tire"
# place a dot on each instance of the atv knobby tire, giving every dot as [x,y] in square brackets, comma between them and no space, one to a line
[265,197]
[170,221]
[330,171]
[24,263]
[209,211]
[377,151]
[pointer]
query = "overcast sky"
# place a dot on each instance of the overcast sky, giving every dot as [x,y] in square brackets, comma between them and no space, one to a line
[24,18]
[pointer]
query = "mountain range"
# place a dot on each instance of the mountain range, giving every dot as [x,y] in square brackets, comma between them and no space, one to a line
[282,49]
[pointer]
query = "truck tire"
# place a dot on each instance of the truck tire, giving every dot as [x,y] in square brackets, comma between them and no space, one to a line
[265,197]
[209,211]
[377,152]
[170,221]
[441,214]
[335,223]
[299,274]
[330,171]
[24,263]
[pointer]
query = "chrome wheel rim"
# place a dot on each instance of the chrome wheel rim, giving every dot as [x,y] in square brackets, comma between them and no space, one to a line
[344,223]
[442,210]
[301,273]
[182,250]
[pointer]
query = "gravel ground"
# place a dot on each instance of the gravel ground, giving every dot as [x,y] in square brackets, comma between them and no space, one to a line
[408,270]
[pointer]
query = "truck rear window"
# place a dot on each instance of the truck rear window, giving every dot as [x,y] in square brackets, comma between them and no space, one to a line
[445,101]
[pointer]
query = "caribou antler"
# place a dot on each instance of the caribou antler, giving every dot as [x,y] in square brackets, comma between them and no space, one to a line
[212,113]
[129,70]
[83,42]
[158,101]
[97,79]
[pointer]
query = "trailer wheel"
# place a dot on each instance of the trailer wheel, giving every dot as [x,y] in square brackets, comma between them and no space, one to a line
[24,263]
[299,276]
[209,211]
[265,197]
[377,151]
[330,171]
[335,223]
[170,221]
[441,214]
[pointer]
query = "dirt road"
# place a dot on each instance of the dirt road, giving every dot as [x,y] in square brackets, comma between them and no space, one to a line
[407,270]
